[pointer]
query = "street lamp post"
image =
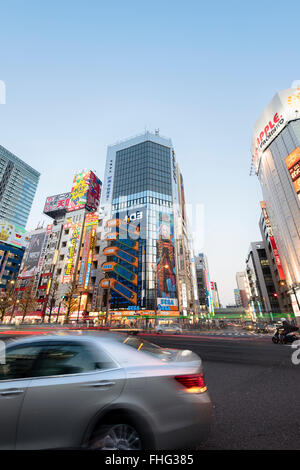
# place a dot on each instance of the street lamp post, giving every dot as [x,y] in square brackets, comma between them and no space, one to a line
[107,304]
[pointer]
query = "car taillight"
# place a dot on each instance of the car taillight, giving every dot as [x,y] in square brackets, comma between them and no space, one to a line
[193,383]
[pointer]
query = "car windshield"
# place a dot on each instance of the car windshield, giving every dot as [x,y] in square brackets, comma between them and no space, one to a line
[147,347]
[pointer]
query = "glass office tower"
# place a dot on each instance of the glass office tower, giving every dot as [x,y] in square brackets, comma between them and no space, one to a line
[18,184]
[142,210]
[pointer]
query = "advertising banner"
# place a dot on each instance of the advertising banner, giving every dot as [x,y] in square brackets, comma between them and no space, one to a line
[12,234]
[56,203]
[293,165]
[85,191]
[73,249]
[32,255]
[166,267]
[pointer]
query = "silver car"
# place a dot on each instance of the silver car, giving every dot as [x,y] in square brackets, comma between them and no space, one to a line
[101,392]
[170,329]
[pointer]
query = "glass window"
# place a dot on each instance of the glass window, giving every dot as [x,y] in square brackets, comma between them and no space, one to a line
[69,358]
[19,362]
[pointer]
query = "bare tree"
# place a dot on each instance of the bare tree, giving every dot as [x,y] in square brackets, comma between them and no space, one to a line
[52,296]
[70,301]
[7,299]
[27,300]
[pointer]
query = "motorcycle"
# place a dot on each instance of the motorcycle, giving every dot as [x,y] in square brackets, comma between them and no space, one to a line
[289,338]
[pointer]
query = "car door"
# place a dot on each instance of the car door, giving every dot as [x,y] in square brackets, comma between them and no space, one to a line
[73,383]
[14,379]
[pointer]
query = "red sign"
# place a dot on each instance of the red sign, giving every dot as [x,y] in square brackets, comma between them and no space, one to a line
[277,258]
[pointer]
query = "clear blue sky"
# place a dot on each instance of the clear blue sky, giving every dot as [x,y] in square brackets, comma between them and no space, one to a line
[81,75]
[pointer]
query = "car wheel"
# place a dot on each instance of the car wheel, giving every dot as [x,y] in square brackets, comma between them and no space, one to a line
[121,436]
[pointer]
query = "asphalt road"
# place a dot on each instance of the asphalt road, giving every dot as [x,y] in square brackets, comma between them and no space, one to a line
[255,389]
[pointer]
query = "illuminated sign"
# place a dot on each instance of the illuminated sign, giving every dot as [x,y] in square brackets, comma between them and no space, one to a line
[85,191]
[165,261]
[12,234]
[293,165]
[56,203]
[69,268]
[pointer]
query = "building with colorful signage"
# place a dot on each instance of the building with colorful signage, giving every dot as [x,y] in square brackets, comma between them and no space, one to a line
[274,260]
[65,251]
[144,225]
[276,159]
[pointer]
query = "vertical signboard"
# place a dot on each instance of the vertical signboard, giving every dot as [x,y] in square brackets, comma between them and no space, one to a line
[293,165]
[166,267]
[72,252]
[91,222]
[32,255]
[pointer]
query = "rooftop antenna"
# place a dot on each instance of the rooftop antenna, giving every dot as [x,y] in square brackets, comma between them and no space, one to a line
[157,131]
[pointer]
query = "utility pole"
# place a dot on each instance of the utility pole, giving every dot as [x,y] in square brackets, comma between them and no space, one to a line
[107,304]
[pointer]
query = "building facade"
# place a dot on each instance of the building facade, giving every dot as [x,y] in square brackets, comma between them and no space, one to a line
[275,265]
[204,285]
[66,250]
[148,264]
[263,295]
[276,158]
[18,185]
[243,289]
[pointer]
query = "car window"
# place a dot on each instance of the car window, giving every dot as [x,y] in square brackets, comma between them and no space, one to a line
[145,346]
[64,359]
[19,362]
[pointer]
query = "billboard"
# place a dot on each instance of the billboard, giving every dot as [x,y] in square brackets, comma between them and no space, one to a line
[283,108]
[32,255]
[12,234]
[85,192]
[165,261]
[72,252]
[57,203]
[293,165]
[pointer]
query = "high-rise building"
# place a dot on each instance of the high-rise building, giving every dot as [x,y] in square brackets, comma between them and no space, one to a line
[276,158]
[18,184]
[146,240]
[205,291]
[237,298]
[243,289]
[263,295]
[275,265]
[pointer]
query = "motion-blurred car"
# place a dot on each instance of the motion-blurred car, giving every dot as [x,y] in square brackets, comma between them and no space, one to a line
[270,328]
[249,327]
[101,391]
[261,328]
[170,329]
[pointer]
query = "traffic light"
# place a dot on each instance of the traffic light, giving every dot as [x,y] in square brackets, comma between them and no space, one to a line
[275,294]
